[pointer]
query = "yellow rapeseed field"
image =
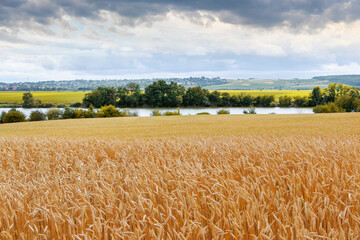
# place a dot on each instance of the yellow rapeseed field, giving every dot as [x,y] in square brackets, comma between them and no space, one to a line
[187,177]
[275,93]
[45,97]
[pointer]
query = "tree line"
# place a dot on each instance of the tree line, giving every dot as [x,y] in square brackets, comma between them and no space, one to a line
[162,94]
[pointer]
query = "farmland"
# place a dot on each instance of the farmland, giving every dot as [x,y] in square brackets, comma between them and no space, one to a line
[45,97]
[230,177]
[276,93]
[275,84]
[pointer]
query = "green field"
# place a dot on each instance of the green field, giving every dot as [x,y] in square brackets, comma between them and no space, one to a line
[45,97]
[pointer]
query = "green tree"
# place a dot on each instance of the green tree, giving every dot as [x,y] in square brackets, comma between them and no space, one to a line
[174,95]
[246,100]
[316,96]
[215,98]
[330,93]
[68,113]
[225,99]
[161,94]
[347,102]
[266,100]
[285,101]
[301,101]
[28,100]
[134,96]
[197,97]
[101,96]
[122,96]
[155,93]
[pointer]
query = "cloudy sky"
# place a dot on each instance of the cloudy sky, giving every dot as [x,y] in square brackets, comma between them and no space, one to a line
[108,39]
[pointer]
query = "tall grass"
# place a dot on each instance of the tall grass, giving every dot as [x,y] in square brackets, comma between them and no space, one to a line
[180,188]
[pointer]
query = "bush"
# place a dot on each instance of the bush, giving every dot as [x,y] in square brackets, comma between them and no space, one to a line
[328,108]
[203,113]
[76,105]
[13,116]
[2,116]
[301,101]
[223,111]
[37,116]
[168,113]
[68,113]
[250,111]
[347,103]
[155,113]
[37,103]
[175,113]
[273,104]
[61,106]
[79,113]
[48,105]
[54,114]
[285,101]
[132,114]
[90,112]
[110,111]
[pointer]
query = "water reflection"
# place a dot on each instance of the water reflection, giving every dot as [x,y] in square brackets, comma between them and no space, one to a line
[146,112]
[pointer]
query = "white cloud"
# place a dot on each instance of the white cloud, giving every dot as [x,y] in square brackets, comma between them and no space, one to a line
[350,68]
[87,48]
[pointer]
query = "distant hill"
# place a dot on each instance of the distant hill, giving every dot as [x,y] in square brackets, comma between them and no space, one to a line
[351,80]
[209,83]
[287,84]
[88,85]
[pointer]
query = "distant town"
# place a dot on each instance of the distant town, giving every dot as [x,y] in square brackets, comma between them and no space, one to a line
[88,85]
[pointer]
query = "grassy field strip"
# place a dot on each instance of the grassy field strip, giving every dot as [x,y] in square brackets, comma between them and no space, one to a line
[72,97]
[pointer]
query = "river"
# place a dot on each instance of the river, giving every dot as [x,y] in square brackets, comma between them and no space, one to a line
[146,112]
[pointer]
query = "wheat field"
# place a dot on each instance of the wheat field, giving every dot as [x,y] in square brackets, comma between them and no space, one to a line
[201,186]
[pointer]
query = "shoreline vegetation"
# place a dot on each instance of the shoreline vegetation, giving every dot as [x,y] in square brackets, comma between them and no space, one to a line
[334,98]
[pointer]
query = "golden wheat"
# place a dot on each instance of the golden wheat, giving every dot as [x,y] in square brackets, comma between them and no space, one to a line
[180,188]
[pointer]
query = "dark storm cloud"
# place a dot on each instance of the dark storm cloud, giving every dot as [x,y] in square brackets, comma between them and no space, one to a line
[264,13]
